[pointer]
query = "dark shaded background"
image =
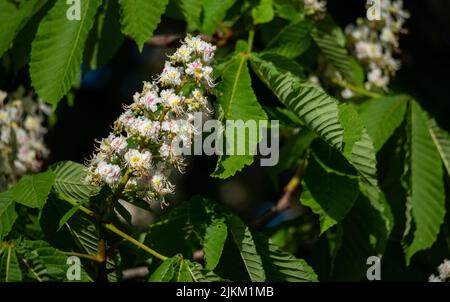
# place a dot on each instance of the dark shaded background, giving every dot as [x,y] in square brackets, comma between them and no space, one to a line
[425,75]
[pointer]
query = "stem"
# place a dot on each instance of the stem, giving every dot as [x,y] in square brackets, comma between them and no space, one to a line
[251,38]
[356,89]
[137,243]
[115,230]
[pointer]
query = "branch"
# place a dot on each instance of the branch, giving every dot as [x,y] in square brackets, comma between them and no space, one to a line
[284,202]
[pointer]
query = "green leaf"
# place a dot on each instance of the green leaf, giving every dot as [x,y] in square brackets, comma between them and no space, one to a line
[281,266]
[21,48]
[358,147]
[328,193]
[214,12]
[284,64]
[105,37]
[67,216]
[441,139]
[215,237]
[9,265]
[140,18]
[7,213]
[165,271]
[33,190]
[69,181]
[14,16]
[291,41]
[382,116]
[238,102]
[44,260]
[263,12]
[57,49]
[331,41]
[339,126]
[183,272]
[192,10]
[313,106]
[245,243]
[363,233]
[172,269]
[425,195]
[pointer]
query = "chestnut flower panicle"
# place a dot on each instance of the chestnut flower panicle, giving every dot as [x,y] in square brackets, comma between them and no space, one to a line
[375,43]
[22,146]
[144,147]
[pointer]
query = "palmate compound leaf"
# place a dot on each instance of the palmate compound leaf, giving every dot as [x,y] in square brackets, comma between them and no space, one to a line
[8,214]
[329,193]
[261,259]
[14,16]
[192,10]
[381,116]
[244,241]
[77,234]
[140,18]
[339,125]
[424,184]
[237,102]
[214,241]
[57,49]
[362,234]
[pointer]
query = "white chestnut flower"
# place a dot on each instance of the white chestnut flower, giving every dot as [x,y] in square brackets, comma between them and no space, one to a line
[109,173]
[137,160]
[182,55]
[118,144]
[376,43]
